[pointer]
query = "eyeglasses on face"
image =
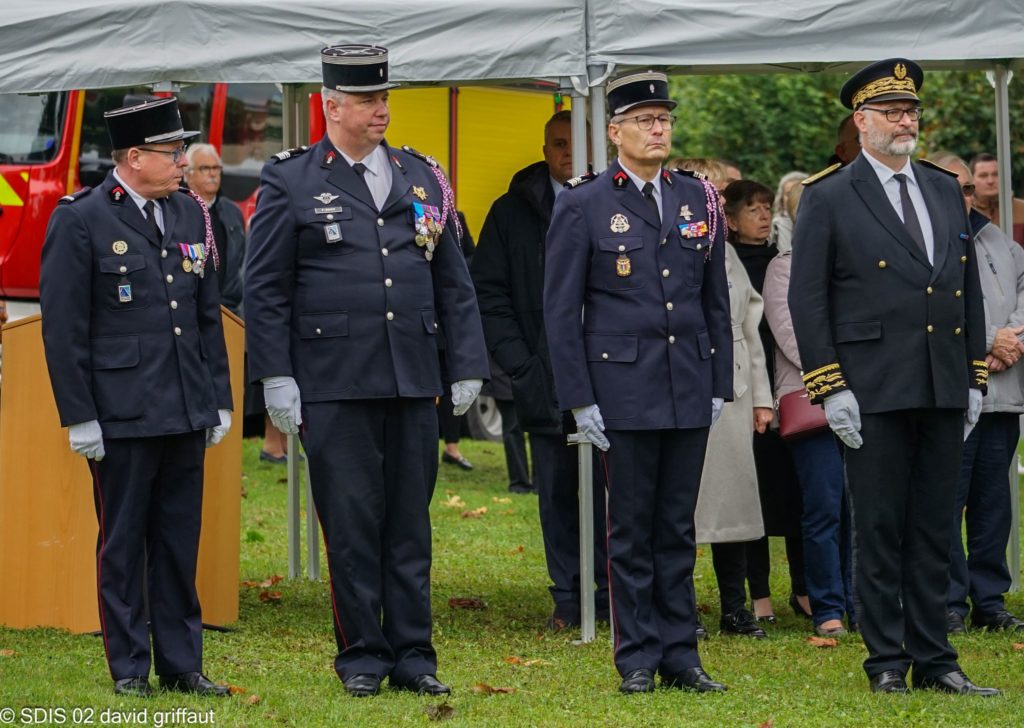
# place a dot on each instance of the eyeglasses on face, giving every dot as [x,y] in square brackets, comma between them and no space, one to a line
[895,115]
[209,168]
[175,154]
[645,122]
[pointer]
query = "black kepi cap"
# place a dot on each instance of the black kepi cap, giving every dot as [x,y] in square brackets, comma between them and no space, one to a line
[151,122]
[638,89]
[890,80]
[355,68]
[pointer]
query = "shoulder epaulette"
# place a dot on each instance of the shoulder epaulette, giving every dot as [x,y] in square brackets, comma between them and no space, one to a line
[68,199]
[288,154]
[577,181]
[419,155]
[821,175]
[690,173]
[933,165]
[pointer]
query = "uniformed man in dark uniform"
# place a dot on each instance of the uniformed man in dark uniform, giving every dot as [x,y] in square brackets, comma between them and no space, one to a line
[888,315]
[636,307]
[353,261]
[135,349]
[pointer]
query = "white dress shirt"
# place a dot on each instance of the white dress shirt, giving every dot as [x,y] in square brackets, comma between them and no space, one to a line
[640,186]
[892,190]
[141,202]
[378,173]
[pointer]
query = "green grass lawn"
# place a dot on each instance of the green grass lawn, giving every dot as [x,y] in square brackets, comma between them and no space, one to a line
[280,652]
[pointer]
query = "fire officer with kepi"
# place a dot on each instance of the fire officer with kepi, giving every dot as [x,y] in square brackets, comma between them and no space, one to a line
[134,345]
[636,306]
[889,318]
[353,262]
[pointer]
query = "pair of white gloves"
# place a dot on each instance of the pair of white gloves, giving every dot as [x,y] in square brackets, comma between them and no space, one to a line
[843,415]
[284,404]
[87,437]
[590,424]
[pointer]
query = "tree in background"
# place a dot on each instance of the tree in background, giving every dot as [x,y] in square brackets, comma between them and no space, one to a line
[773,123]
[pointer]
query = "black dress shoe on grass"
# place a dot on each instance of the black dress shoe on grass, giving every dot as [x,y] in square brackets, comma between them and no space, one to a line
[693,678]
[743,623]
[460,461]
[955,683]
[996,621]
[889,681]
[638,681]
[193,682]
[522,489]
[136,687]
[423,685]
[954,623]
[362,686]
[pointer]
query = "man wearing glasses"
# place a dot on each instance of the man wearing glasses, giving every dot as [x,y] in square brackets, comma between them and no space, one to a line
[138,366]
[888,315]
[636,308]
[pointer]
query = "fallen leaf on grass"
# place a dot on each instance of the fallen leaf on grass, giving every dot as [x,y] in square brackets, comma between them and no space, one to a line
[513,660]
[253,700]
[266,583]
[496,499]
[475,513]
[703,609]
[767,724]
[700,551]
[485,689]
[454,502]
[518,549]
[269,596]
[236,690]
[1016,646]
[822,641]
[6,653]
[466,603]
[443,711]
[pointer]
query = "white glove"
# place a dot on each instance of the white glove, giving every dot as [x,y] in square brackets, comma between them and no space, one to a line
[974,397]
[591,425]
[843,415]
[716,409]
[216,433]
[87,439]
[284,405]
[463,394]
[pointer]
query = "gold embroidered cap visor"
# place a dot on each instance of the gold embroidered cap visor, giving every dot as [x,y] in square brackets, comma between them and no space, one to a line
[893,79]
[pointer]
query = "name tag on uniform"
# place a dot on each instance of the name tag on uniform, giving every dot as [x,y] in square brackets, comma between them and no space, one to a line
[332,231]
[124,293]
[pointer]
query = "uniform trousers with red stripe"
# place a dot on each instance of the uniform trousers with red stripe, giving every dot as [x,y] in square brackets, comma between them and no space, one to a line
[148,493]
[653,479]
[372,468]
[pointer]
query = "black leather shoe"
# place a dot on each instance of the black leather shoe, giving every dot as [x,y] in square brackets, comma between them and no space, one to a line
[692,678]
[996,621]
[460,461]
[193,682]
[741,622]
[137,687]
[362,686]
[954,623]
[889,681]
[638,681]
[522,489]
[956,683]
[424,685]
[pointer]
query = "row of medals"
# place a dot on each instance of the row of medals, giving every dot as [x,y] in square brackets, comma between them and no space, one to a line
[428,231]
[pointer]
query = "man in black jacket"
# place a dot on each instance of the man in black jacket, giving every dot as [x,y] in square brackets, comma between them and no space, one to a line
[508,271]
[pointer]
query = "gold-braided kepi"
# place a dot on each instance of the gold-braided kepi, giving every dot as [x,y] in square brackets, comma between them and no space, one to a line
[889,80]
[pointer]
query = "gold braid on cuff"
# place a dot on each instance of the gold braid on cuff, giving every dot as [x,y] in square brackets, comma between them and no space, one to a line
[980,373]
[824,381]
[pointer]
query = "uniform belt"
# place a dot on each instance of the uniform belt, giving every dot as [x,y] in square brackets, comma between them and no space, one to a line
[737,332]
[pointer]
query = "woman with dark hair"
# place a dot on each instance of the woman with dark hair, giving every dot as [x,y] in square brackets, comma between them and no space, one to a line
[748,212]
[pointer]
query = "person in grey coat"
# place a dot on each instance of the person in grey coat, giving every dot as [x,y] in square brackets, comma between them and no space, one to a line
[988,452]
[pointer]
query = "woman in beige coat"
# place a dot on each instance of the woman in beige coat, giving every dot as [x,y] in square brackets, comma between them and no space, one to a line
[728,506]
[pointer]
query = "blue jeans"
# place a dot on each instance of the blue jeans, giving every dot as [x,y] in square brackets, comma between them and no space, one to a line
[826,527]
[985,491]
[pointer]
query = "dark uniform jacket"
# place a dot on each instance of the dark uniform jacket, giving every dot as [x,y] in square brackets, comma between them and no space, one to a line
[356,317]
[152,365]
[869,312]
[508,271]
[654,344]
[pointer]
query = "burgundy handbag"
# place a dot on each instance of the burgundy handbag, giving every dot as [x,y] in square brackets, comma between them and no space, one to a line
[798,418]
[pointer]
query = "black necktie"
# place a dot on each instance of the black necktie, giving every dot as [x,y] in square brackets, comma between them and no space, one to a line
[649,199]
[360,169]
[150,209]
[910,220]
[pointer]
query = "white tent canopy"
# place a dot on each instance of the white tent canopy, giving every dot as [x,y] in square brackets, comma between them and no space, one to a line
[54,45]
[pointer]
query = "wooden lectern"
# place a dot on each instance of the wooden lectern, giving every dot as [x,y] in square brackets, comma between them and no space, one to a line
[47,518]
